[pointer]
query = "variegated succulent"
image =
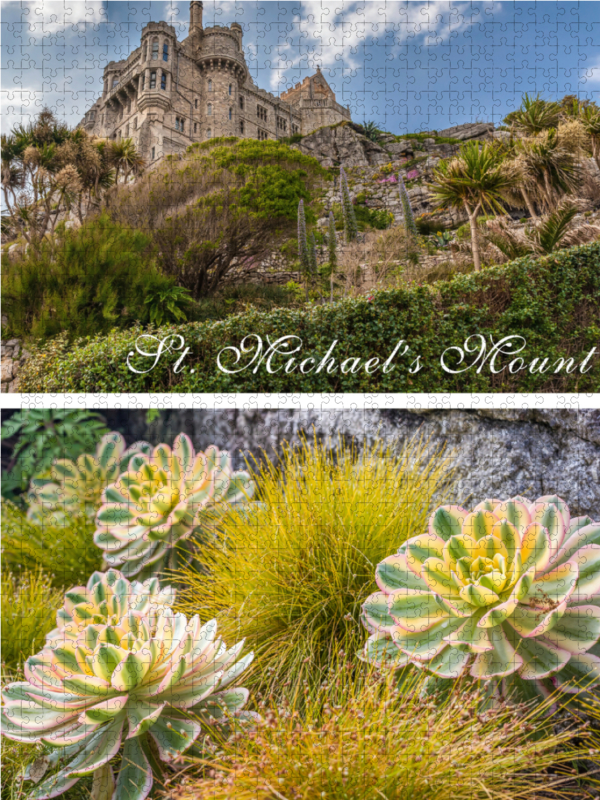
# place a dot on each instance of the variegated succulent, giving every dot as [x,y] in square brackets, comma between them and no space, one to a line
[157,503]
[107,597]
[146,684]
[74,488]
[510,588]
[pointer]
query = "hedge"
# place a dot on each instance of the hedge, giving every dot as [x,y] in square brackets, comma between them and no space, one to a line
[553,302]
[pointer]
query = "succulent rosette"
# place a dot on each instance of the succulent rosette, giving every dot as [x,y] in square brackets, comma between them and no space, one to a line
[160,499]
[107,597]
[74,488]
[144,684]
[511,588]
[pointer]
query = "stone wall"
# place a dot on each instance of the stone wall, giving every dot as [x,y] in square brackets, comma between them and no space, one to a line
[494,453]
[12,359]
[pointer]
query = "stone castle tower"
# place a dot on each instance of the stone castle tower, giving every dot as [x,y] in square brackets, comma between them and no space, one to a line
[168,94]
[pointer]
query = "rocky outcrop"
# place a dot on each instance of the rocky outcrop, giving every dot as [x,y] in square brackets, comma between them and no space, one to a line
[342,145]
[494,453]
[468,130]
[12,359]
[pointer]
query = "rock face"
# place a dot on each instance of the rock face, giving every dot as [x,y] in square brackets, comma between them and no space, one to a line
[343,144]
[13,357]
[468,130]
[493,453]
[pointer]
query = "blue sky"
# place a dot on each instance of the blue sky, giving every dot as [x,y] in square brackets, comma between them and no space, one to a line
[408,66]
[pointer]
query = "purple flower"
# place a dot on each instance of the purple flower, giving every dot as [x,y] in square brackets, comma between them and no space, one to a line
[414,173]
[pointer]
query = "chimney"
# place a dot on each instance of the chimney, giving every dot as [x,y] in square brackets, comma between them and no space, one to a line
[195,15]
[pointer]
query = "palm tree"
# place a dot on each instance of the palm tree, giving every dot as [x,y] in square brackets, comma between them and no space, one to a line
[554,166]
[371,130]
[590,118]
[124,156]
[534,116]
[477,180]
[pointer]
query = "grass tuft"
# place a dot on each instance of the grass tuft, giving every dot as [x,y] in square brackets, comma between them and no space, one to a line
[366,736]
[291,574]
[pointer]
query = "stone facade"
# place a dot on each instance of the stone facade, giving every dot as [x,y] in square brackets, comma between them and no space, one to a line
[168,94]
[13,357]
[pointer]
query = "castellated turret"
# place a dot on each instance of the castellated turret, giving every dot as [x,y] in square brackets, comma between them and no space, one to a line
[168,94]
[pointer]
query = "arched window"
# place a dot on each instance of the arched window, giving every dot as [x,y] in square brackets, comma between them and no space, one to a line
[231,113]
[195,127]
[165,52]
[209,110]
[210,85]
[153,80]
[163,81]
[196,103]
[242,126]
[153,153]
[241,102]
[230,89]
[154,49]
[209,133]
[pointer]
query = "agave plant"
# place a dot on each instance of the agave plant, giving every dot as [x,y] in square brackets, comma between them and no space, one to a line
[511,588]
[74,488]
[148,684]
[158,502]
[107,597]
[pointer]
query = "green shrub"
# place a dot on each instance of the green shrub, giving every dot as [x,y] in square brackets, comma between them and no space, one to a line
[291,572]
[553,302]
[84,281]
[29,606]
[67,554]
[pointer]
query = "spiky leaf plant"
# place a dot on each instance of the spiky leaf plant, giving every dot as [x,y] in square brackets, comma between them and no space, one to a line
[290,572]
[511,588]
[143,686]
[73,489]
[353,739]
[155,505]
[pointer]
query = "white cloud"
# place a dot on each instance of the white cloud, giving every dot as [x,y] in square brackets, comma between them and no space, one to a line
[57,16]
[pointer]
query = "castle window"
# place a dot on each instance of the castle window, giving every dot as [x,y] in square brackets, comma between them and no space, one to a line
[262,135]
[126,131]
[195,127]
[231,113]
[153,153]
[281,124]
[241,102]
[153,80]
[295,129]
[145,51]
[196,103]
[261,113]
[181,124]
[209,133]
[210,85]
[165,52]
[230,89]
[209,110]
[163,80]
[154,49]
[115,82]
[241,126]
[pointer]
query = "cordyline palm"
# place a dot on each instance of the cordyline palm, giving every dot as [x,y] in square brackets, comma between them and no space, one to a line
[554,167]
[476,180]
[535,115]
[125,158]
[590,118]
[371,130]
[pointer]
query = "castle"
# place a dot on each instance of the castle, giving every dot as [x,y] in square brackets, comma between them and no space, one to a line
[168,94]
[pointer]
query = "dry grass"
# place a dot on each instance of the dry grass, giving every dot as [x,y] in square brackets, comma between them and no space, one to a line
[366,736]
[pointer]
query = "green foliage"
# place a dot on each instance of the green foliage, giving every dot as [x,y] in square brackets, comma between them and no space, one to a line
[348,213]
[66,554]
[407,212]
[322,519]
[371,131]
[377,218]
[85,281]
[166,301]
[553,302]
[29,606]
[534,115]
[43,436]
